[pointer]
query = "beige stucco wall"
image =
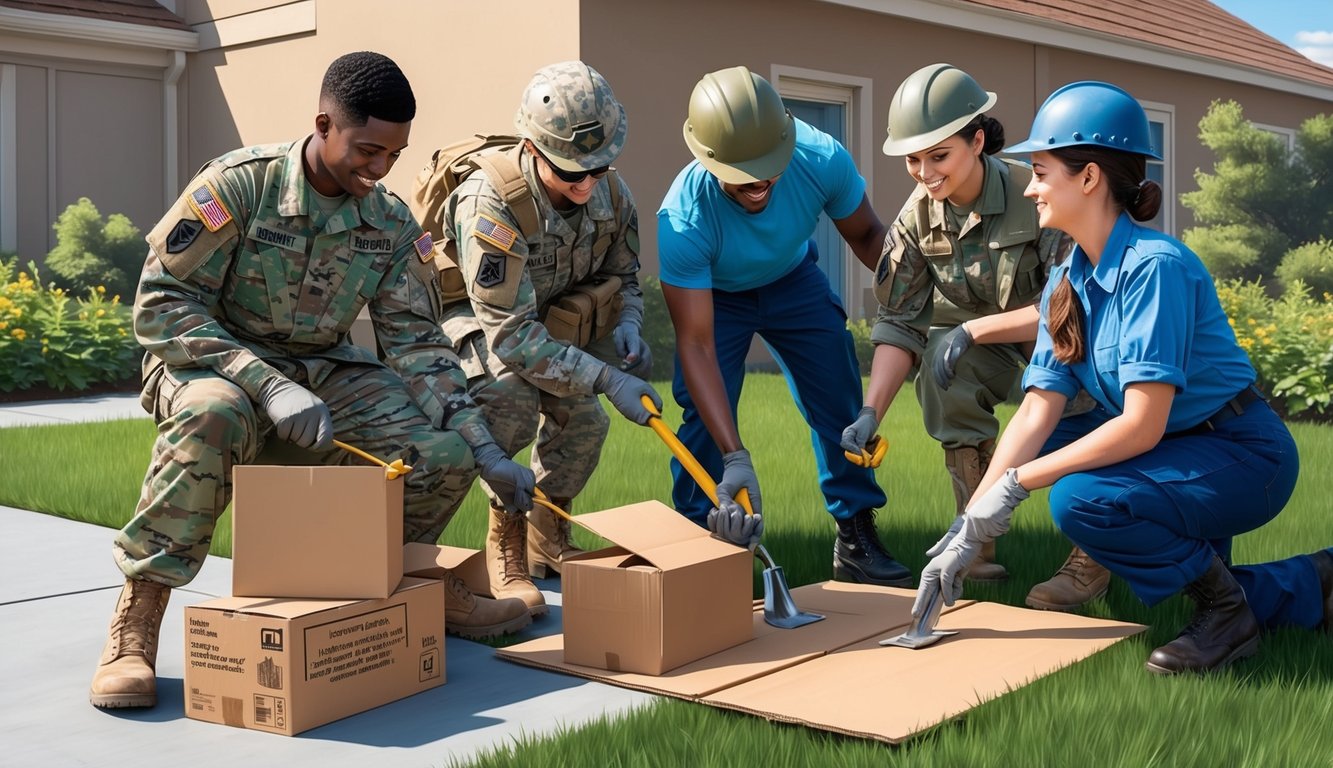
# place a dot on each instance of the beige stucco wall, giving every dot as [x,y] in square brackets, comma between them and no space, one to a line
[468,63]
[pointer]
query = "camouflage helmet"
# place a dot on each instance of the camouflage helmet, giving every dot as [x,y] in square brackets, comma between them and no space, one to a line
[932,104]
[570,113]
[738,127]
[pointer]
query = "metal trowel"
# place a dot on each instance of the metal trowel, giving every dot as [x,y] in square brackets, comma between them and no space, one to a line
[922,632]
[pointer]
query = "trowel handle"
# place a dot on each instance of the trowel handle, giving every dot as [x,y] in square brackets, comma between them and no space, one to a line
[687,459]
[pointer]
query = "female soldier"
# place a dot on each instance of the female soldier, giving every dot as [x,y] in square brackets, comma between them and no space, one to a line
[966,246]
[1184,452]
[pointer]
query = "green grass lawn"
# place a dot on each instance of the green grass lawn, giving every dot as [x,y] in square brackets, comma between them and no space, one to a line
[1273,710]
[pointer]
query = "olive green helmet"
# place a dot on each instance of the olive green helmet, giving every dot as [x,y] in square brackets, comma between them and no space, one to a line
[932,104]
[570,113]
[738,127]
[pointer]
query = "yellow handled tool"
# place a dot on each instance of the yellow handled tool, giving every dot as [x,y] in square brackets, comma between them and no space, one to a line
[871,455]
[391,470]
[687,459]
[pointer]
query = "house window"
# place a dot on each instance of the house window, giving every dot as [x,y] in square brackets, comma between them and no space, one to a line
[1285,135]
[1161,120]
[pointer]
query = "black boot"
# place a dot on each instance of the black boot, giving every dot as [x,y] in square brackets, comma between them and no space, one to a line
[1323,565]
[859,557]
[1222,630]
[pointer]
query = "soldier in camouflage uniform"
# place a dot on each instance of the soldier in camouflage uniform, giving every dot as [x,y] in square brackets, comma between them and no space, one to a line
[962,268]
[251,284]
[535,358]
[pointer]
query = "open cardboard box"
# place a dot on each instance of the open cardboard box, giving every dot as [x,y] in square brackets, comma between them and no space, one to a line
[346,524]
[801,675]
[667,594]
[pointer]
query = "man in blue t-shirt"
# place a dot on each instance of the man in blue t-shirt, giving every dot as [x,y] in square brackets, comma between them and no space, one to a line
[737,259]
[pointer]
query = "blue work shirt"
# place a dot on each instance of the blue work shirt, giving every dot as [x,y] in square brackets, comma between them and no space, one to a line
[705,239]
[1150,314]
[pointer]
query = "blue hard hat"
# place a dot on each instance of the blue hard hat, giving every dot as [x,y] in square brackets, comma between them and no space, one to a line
[1089,113]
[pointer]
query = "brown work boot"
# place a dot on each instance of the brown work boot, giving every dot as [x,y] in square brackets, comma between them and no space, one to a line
[1222,630]
[967,465]
[1078,581]
[127,674]
[476,617]
[549,544]
[507,561]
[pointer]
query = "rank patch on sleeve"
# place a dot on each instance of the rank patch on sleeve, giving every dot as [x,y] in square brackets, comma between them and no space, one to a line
[424,245]
[181,235]
[495,232]
[492,270]
[210,210]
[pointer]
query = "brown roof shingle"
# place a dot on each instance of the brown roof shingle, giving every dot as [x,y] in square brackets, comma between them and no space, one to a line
[143,12]
[1195,27]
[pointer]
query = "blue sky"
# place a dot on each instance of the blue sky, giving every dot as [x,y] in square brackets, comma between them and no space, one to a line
[1306,25]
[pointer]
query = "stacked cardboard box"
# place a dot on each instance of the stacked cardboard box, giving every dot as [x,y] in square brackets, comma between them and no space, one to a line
[322,624]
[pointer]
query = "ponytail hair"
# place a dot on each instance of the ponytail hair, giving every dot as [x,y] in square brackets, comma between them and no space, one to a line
[1065,321]
[993,140]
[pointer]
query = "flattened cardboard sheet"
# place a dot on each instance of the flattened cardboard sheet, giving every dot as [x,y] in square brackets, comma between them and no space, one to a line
[998,648]
[852,612]
[798,675]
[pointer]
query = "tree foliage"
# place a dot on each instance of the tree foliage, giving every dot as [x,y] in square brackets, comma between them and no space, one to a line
[1261,200]
[92,252]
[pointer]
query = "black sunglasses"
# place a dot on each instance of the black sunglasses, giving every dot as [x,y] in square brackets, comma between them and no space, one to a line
[574,177]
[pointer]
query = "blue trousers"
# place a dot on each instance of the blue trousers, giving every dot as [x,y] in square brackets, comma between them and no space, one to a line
[1158,519]
[805,327]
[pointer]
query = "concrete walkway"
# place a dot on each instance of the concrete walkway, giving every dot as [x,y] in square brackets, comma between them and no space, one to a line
[58,586]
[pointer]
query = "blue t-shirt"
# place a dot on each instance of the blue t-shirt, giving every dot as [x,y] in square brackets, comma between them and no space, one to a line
[1150,314]
[705,239]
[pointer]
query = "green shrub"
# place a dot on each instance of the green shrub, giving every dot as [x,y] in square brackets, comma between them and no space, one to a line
[90,252]
[657,328]
[1290,343]
[45,336]
[865,350]
[1311,264]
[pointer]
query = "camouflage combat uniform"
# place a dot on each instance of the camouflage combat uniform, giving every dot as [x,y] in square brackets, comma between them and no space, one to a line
[530,385]
[997,261]
[247,280]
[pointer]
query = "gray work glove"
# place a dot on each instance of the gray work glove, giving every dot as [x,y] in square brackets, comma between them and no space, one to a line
[859,432]
[298,415]
[512,482]
[945,364]
[738,473]
[632,349]
[952,555]
[626,392]
[731,524]
[989,515]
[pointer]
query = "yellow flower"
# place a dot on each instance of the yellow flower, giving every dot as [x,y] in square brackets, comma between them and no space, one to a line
[19,334]
[83,315]
[101,289]
[3,326]
[115,299]
[1251,321]
[101,313]
[16,313]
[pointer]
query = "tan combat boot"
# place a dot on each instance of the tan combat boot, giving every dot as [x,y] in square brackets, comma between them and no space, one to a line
[1079,580]
[476,617]
[967,465]
[549,544]
[127,674]
[507,561]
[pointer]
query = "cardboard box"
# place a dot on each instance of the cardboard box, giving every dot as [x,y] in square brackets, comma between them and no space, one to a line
[322,532]
[668,594]
[286,666]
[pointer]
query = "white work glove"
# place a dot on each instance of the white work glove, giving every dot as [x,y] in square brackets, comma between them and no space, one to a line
[626,393]
[859,432]
[298,415]
[738,473]
[632,349]
[731,524]
[512,482]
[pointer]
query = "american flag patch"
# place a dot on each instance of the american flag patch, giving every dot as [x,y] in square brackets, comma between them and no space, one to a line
[495,233]
[209,208]
[424,245]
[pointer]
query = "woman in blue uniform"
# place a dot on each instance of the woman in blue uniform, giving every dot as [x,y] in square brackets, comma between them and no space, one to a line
[1184,453]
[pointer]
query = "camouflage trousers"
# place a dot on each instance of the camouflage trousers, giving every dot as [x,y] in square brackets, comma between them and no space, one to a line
[207,425]
[964,415]
[569,431]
